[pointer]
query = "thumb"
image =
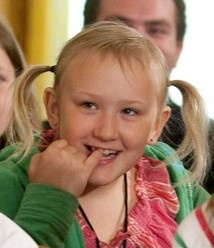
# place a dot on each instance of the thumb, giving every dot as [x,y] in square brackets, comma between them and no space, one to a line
[93,160]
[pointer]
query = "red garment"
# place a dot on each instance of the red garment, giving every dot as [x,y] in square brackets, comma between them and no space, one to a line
[151,222]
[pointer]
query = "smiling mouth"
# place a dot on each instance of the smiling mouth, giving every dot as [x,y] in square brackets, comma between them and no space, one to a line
[106,153]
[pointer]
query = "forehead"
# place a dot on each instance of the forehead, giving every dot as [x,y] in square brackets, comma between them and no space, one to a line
[97,72]
[141,10]
[92,61]
[5,63]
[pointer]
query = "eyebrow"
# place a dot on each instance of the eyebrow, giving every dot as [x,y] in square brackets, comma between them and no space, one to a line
[131,101]
[159,22]
[117,18]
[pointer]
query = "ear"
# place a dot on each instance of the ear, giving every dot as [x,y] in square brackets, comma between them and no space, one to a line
[159,125]
[51,106]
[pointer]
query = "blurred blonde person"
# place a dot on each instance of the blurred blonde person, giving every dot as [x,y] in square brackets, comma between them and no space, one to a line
[12,63]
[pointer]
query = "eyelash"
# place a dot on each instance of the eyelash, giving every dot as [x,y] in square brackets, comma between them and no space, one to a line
[2,79]
[130,112]
[89,105]
[126,111]
[157,31]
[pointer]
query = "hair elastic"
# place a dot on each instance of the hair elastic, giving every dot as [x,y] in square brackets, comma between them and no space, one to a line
[169,83]
[52,68]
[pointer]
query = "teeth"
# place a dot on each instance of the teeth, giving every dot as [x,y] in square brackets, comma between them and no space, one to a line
[108,152]
[105,152]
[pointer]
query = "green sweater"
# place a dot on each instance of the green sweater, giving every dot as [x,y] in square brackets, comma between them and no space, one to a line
[48,213]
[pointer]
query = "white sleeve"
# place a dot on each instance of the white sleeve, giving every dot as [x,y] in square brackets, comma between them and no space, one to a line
[11,235]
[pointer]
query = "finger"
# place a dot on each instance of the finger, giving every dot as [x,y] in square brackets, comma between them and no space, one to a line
[93,160]
[59,143]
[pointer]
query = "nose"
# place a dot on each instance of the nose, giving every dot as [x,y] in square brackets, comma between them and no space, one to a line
[106,128]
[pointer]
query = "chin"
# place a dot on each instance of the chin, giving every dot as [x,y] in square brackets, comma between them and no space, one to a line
[101,179]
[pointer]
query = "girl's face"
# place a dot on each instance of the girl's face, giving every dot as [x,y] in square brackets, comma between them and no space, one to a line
[7,76]
[104,106]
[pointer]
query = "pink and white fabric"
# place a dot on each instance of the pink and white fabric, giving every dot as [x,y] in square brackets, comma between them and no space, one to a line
[151,222]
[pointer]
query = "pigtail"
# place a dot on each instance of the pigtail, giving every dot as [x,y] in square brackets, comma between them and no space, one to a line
[195,120]
[26,122]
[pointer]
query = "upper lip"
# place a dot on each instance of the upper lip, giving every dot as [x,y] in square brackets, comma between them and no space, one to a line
[103,149]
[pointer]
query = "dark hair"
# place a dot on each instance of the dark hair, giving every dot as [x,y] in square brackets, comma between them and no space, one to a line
[10,45]
[91,10]
[181,18]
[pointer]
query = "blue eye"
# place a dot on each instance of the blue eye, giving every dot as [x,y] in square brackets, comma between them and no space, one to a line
[89,105]
[129,111]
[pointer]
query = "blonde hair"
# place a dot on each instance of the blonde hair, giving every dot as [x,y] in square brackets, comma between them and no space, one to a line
[125,44]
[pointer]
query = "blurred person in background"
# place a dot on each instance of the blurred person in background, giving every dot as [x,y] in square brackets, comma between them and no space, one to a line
[12,63]
[164,22]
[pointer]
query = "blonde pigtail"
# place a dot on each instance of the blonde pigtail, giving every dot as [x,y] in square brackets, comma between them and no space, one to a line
[26,122]
[196,129]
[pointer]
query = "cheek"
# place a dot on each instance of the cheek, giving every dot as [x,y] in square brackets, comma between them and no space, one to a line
[170,52]
[135,145]
[136,138]
[74,127]
[5,111]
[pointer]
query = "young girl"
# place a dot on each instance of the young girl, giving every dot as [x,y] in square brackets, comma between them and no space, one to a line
[99,178]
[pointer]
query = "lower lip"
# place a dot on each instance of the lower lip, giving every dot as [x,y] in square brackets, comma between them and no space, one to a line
[104,161]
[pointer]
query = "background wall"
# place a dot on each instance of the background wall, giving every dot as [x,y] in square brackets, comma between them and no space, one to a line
[41,27]
[196,62]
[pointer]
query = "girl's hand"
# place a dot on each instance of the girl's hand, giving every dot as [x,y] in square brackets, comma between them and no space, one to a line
[63,166]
